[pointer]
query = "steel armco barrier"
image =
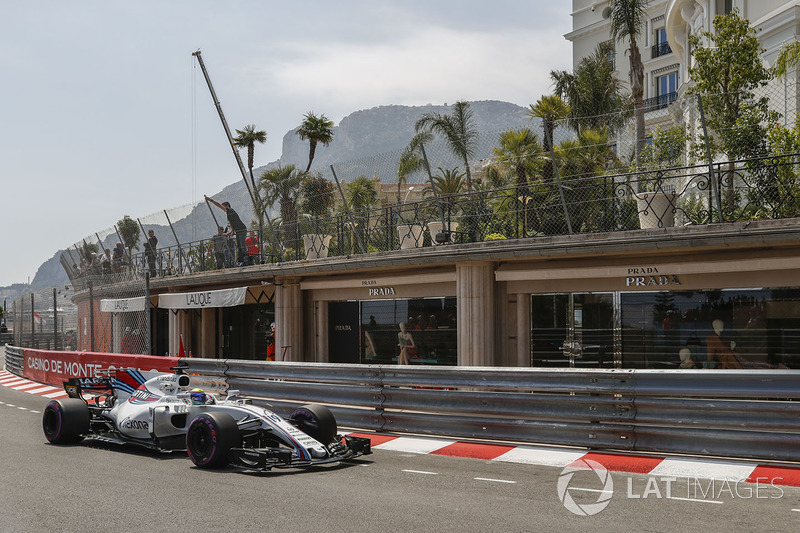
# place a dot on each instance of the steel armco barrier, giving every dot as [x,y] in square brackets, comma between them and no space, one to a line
[730,413]
[14,359]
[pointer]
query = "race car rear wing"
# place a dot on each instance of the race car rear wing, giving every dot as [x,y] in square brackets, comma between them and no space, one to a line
[99,385]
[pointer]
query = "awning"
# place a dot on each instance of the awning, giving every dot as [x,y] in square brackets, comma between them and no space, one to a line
[202,299]
[122,305]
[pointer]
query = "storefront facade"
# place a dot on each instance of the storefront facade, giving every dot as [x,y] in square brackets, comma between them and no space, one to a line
[725,295]
[374,319]
[714,309]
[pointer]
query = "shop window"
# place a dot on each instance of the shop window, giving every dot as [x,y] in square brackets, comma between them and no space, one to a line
[430,324]
[574,330]
[756,328]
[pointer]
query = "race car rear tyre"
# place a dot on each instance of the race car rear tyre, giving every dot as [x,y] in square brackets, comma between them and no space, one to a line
[65,421]
[210,438]
[316,421]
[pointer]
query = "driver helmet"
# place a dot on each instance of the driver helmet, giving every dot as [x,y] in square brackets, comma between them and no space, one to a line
[198,397]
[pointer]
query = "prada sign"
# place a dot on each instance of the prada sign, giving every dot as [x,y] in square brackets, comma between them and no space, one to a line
[649,277]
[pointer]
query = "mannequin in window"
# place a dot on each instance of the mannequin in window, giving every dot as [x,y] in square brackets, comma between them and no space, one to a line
[406,343]
[720,351]
[686,358]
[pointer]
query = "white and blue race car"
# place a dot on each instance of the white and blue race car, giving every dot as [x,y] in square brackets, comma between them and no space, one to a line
[163,413]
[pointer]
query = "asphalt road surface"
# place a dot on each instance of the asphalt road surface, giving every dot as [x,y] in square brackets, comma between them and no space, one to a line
[91,488]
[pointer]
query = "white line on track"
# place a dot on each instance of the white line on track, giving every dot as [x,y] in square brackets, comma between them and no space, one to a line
[695,500]
[422,472]
[493,480]
[796,510]
[591,490]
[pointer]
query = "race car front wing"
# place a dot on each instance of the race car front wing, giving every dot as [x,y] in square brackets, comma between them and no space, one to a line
[348,447]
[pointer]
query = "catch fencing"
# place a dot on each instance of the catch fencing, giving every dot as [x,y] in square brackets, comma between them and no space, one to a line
[44,318]
[731,413]
[47,319]
[536,178]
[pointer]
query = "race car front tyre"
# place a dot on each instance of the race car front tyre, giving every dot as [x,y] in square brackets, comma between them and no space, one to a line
[65,421]
[210,438]
[316,421]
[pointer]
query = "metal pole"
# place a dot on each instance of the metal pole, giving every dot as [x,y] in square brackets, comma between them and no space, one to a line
[254,197]
[147,319]
[180,249]
[225,126]
[216,224]
[33,324]
[349,214]
[91,313]
[435,192]
[560,189]
[102,246]
[713,182]
[55,319]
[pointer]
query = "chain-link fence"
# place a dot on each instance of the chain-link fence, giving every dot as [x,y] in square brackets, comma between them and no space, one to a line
[555,177]
[45,319]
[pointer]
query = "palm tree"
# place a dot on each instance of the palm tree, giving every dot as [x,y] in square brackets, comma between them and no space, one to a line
[582,160]
[592,92]
[247,138]
[411,160]
[361,194]
[550,109]
[458,130]
[282,184]
[315,129]
[788,58]
[447,183]
[520,152]
[628,20]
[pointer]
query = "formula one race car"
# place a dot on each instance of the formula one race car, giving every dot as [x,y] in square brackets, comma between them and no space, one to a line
[164,414]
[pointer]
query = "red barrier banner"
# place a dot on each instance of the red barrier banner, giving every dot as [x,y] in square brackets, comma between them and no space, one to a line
[53,368]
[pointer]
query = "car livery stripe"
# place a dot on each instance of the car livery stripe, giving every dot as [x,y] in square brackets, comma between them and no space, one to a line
[121,385]
[302,453]
[135,374]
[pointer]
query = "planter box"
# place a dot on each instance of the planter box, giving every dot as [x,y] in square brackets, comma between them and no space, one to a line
[316,245]
[656,209]
[437,227]
[410,236]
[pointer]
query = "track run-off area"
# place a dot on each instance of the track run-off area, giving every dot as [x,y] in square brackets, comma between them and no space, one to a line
[408,483]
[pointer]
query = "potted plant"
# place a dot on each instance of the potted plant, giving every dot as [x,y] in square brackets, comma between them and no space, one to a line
[316,204]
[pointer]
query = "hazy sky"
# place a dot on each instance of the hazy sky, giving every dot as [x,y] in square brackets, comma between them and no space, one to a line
[103,112]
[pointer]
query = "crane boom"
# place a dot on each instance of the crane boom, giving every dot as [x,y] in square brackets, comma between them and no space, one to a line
[225,126]
[258,209]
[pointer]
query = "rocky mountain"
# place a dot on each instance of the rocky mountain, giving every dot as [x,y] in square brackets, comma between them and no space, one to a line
[389,128]
[380,130]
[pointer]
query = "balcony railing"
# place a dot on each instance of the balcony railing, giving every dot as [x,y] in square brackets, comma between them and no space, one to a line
[660,102]
[660,49]
[763,188]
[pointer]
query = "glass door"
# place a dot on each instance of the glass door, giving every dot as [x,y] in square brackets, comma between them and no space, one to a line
[573,330]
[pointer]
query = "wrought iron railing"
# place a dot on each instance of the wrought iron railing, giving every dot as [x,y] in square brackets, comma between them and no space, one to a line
[762,188]
[660,49]
[660,102]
